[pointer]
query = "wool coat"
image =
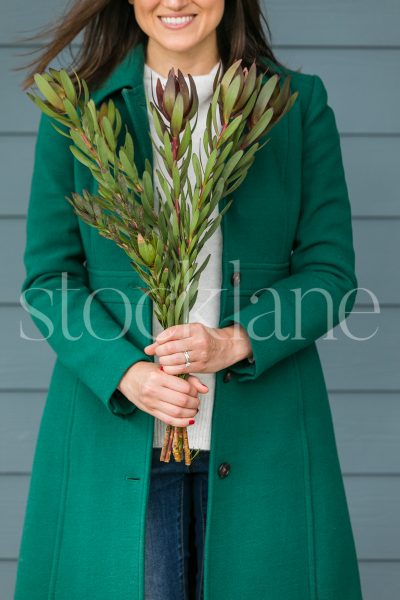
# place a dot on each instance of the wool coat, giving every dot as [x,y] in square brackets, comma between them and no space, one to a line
[278,524]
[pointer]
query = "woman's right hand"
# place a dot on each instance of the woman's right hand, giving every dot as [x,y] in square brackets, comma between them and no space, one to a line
[168,397]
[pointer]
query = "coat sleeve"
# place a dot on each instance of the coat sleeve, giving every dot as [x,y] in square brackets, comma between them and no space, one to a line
[322,260]
[99,355]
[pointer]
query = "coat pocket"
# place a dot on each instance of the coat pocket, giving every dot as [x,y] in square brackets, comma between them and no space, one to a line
[116,287]
[252,277]
[127,303]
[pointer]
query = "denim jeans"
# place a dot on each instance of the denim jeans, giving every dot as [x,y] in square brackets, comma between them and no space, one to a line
[175,528]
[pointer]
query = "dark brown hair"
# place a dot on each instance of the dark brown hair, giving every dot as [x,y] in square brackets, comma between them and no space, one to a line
[110,30]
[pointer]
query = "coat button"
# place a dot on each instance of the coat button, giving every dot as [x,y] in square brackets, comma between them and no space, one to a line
[227,376]
[235,278]
[223,470]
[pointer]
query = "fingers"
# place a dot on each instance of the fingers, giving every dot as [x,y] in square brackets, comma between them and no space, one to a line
[183,330]
[181,405]
[176,422]
[200,386]
[172,382]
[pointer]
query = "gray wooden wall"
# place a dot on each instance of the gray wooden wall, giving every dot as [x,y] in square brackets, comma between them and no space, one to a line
[355,48]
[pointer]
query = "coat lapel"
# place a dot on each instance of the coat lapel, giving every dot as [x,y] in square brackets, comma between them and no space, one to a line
[127,78]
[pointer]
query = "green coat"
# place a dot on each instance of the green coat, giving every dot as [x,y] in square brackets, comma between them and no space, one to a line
[278,525]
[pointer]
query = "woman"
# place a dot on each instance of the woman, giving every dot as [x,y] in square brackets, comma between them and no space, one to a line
[105,518]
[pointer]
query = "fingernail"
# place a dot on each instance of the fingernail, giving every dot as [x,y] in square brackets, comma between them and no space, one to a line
[191,422]
[161,368]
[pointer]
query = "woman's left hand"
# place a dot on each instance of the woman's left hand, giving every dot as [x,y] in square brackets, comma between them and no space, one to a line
[210,349]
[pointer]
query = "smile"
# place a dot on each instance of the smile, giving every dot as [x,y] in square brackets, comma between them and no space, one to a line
[176,22]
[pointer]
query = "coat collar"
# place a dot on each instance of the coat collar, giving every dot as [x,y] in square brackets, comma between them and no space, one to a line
[127,74]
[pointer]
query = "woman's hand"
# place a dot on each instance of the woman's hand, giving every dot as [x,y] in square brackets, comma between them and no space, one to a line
[210,349]
[171,399]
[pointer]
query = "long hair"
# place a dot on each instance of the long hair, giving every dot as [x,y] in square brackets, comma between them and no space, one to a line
[109,30]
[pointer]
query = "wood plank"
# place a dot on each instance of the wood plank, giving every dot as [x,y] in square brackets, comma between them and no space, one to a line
[21,19]
[367,430]
[324,22]
[16,174]
[20,415]
[380,580]
[374,260]
[373,506]
[369,364]
[356,80]
[8,573]
[13,496]
[352,92]
[371,165]
[28,364]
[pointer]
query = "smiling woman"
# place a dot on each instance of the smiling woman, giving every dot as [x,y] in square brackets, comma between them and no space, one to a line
[264,497]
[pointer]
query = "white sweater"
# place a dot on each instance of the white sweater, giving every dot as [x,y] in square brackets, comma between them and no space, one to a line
[206,307]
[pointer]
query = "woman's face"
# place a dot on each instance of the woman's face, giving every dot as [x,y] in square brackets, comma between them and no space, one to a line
[195,25]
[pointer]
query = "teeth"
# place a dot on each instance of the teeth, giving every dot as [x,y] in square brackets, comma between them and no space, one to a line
[176,20]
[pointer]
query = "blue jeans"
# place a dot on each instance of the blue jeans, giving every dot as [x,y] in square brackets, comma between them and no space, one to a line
[175,528]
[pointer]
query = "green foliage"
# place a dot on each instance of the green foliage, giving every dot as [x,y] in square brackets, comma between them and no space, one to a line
[164,244]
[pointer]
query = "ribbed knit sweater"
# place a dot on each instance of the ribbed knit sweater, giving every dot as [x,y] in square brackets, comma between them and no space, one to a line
[206,307]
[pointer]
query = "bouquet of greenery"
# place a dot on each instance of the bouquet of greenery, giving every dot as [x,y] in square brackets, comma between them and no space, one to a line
[164,244]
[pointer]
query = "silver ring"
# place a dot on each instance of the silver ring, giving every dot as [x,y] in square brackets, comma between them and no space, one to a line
[186,353]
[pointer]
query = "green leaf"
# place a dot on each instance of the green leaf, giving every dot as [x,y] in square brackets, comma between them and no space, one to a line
[176,181]
[128,147]
[102,150]
[127,166]
[60,131]
[68,86]
[231,97]
[73,115]
[225,152]
[231,164]
[213,107]
[157,122]
[212,159]
[184,143]
[147,196]
[264,96]
[177,115]
[259,127]
[179,305]
[229,131]
[197,169]
[168,151]
[81,157]
[48,92]
[109,133]
[78,141]
[91,109]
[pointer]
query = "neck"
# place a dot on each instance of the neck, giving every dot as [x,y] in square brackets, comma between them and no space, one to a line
[198,60]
